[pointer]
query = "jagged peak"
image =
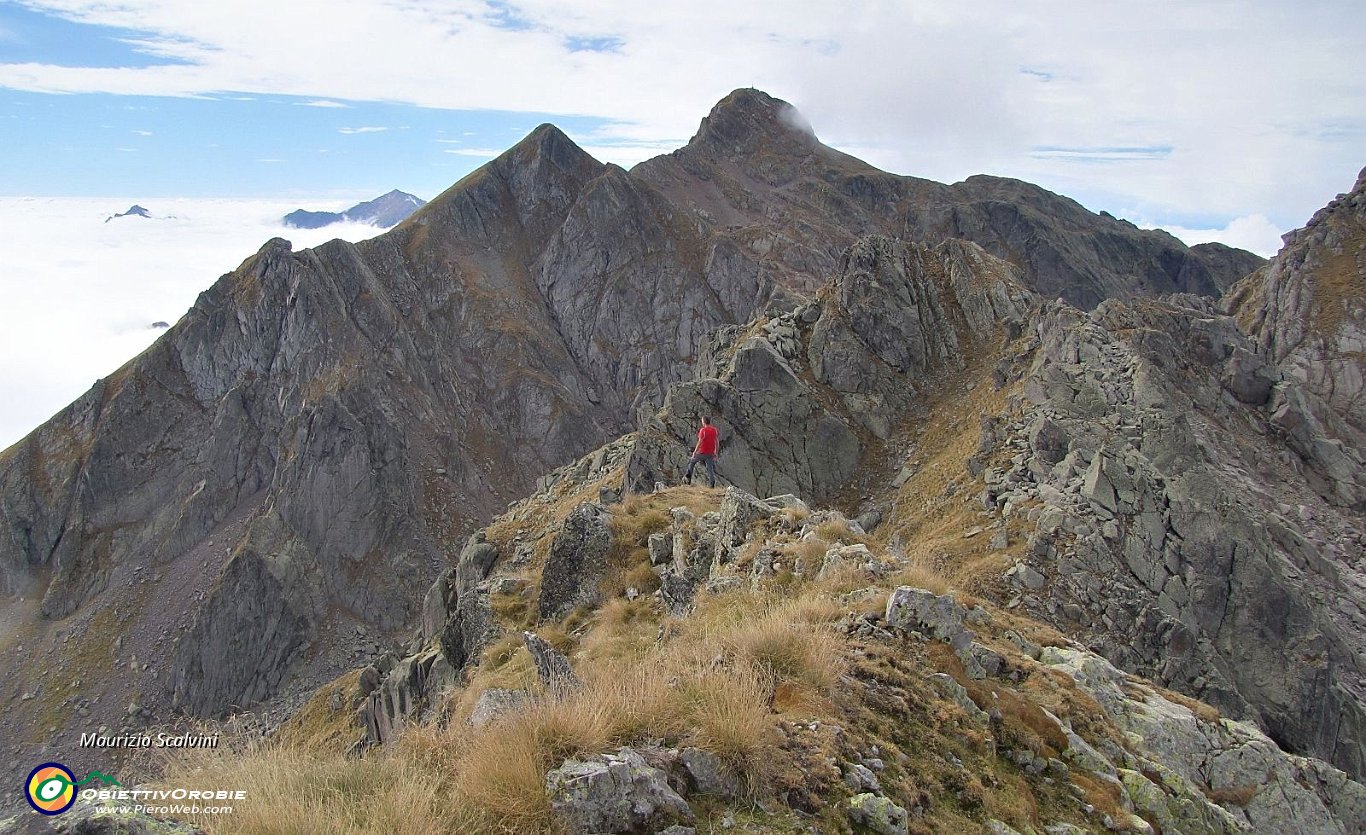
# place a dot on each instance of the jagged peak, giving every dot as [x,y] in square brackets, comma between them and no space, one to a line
[747,116]
[548,142]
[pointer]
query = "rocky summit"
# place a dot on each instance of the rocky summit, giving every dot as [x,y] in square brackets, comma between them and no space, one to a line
[438,469]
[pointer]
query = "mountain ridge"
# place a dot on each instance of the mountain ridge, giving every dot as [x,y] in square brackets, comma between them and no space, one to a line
[309,444]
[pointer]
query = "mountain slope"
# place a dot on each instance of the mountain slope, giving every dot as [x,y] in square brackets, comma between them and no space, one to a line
[754,159]
[1093,471]
[1192,498]
[290,465]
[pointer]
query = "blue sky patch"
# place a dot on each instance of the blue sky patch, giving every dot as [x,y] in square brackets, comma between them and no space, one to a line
[605,43]
[240,146]
[27,36]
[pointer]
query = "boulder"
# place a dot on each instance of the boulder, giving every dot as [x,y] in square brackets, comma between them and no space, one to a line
[706,773]
[937,616]
[468,629]
[614,793]
[553,669]
[878,814]
[474,563]
[739,512]
[577,561]
[496,702]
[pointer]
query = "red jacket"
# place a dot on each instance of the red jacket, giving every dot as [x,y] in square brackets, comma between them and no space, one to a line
[706,440]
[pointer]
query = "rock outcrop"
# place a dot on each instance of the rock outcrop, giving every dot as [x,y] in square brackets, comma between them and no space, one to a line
[803,401]
[1307,311]
[616,792]
[133,211]
[1185,532]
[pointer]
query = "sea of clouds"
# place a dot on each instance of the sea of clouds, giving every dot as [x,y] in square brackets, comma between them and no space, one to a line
[81,295]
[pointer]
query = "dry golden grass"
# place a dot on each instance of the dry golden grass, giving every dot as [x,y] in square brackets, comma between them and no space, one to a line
[517,610]
[922,574]
[1233,795]
[1339,285]
[837,532]
[1202,711]
[697,499]
[786,638]
[623,629]
[318,725]
[714,685]
[734,677]
[498,772]
[292,790]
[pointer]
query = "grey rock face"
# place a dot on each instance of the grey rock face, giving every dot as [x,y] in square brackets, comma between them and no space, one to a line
[707,773]
[943,618]
[739,511]
[475,561]
[754,158]
[897,313]
[397,699]
[577,562]
[496,702]
[614,793]
[1277,792]
[938,616]
[1195,531]
[468,629]
[240,655]
[1307,311]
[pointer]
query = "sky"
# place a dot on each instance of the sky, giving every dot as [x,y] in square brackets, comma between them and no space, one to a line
[1229,120]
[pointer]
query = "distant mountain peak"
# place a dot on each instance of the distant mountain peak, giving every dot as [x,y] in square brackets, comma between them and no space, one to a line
[133,211]
[384,211]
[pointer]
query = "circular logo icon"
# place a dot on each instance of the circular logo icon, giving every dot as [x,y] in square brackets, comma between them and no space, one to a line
[51,788]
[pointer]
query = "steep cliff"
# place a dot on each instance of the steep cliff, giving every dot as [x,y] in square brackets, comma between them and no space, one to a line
[1307,310]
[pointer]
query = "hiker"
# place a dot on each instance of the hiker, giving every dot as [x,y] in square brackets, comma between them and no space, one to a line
[705,451]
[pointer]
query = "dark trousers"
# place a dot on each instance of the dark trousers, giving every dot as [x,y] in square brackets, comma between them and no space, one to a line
[711,467]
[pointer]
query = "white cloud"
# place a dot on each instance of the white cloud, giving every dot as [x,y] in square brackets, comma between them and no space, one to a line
[324,103]
[143,132]
[1259,101]
[365,129]
[484,153]
[81,294]
[1254,233]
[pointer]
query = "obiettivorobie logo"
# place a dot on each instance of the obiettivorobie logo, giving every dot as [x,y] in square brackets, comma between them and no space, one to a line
[51,787]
